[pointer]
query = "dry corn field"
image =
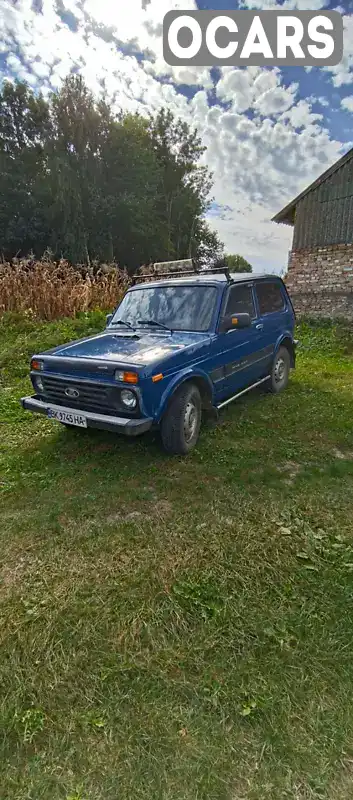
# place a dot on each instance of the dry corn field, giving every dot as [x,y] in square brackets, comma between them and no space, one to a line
[50,290]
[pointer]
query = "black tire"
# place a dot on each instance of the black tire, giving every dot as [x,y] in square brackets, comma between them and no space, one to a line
[181,423]
[280,371]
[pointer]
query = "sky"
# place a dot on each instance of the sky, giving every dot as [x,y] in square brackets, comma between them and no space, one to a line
[269,132]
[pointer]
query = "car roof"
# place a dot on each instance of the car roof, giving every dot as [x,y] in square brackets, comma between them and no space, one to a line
[212,278]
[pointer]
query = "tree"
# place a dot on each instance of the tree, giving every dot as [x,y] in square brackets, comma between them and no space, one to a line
[237,263]
[132,178]
[185,186]
[80,128]
[24,129]
[94,186]
[208,247]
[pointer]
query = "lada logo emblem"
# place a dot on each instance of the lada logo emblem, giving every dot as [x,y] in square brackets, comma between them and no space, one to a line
[70,392]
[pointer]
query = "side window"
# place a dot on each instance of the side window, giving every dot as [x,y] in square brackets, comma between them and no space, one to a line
[270,297]
[240,300]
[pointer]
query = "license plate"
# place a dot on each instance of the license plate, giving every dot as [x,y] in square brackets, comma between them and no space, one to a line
[68,417]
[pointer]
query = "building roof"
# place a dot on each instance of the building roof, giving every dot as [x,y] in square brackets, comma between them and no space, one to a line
[287,214]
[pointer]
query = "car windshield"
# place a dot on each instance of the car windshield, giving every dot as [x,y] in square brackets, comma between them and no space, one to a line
[185,308]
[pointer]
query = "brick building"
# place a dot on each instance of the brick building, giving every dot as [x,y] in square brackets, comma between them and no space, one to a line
[320,268]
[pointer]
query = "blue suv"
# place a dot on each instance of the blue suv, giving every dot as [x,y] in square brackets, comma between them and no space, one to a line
[178,347]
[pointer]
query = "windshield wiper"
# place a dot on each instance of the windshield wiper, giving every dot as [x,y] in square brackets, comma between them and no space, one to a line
[154,322]
[123,322]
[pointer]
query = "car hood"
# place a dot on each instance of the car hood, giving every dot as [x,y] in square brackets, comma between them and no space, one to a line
[139,350]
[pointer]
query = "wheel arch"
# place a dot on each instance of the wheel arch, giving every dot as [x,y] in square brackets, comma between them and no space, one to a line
[287,342]
[203,384]
[205,390]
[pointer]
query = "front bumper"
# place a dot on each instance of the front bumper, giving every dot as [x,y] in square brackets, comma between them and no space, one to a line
[129,427]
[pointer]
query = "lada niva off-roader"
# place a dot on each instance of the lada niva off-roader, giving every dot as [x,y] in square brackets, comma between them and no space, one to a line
[180,344]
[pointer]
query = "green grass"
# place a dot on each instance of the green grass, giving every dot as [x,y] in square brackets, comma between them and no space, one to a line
[179,629]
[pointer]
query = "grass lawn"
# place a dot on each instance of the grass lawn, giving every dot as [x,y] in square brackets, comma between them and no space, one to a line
[178,629]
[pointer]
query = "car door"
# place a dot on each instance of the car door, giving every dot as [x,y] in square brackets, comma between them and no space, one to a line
[238,348]
[273,313]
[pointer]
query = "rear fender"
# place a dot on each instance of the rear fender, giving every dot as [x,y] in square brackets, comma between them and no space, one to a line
[286,340]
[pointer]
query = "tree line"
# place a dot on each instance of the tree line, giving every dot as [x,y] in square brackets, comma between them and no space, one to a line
[91,185]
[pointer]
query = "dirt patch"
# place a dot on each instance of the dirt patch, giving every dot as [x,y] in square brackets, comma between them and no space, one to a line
[13,574]
[132,516]
[347,456]
[164,508]
[290,470]
[341,789]
[150,510]
[103,448]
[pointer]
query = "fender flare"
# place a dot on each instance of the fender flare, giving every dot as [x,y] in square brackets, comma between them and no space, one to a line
[286,338]
[188,374]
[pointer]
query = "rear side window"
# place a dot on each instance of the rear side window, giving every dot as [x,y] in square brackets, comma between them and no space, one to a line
[240,301]
[270,297]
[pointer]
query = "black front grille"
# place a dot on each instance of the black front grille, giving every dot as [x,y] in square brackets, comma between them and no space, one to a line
[92,396]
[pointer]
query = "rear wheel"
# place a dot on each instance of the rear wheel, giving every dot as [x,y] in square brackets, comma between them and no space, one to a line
[280,371]
[181,423]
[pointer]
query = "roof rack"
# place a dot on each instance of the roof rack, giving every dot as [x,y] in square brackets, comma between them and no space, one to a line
[175,270]
[219,270]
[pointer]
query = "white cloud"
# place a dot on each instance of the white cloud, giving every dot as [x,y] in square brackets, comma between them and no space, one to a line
[189,76]
[236,87]
[301,115]
[254,88]
[347,103]
[141,22]
[259,165]
[288,5]
[264,145]
[321,101]
[342,73]
[275,100]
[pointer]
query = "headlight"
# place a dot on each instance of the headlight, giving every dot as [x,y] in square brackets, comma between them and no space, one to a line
[128,398]
[39,384]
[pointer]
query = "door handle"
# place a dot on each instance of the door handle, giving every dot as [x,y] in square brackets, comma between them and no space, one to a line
[259,327]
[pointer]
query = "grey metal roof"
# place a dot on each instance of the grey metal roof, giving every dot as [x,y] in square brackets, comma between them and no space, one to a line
[287,214]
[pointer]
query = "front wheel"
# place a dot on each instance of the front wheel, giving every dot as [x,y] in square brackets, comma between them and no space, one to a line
[280,371]
[181,423]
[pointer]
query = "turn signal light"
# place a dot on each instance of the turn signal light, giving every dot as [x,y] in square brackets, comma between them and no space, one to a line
[38,365]
[126,377]
[158,377]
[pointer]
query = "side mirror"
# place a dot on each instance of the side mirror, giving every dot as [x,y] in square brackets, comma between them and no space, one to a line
[108,319]
[233,322]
